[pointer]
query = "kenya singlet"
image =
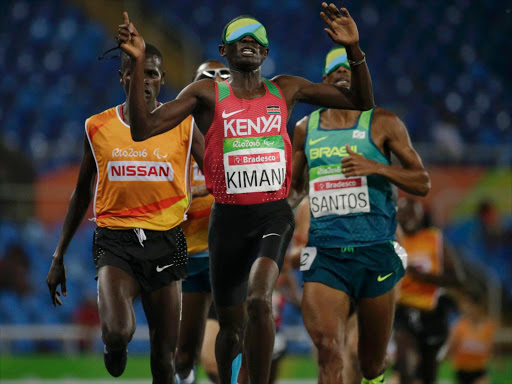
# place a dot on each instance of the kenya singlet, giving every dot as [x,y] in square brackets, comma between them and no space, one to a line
[346,212]
[247,157]
[139,184]
[425,252]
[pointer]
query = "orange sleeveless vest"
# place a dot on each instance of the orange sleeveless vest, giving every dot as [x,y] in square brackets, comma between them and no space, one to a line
[139,184]
[425,251]
[198,215]
[474,344]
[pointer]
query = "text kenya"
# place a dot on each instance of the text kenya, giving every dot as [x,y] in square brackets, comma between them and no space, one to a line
[247,127]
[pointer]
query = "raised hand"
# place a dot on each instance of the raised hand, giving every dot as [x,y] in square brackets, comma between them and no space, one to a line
[129,39]
[342,28]
[56,276]
[357,165]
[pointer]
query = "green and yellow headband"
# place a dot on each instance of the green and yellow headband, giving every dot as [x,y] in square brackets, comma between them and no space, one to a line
[336,58]
[245,26]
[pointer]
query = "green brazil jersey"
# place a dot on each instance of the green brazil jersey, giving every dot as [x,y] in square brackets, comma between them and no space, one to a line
[346,211]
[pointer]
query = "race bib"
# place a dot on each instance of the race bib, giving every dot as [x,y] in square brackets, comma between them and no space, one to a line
[331,193]
[254,164]
[307,257]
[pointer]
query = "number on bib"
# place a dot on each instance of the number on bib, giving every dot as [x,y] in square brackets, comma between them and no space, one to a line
[307,257]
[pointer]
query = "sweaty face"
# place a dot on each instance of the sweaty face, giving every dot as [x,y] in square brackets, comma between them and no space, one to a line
[410,215]
[244,55]
[153,78]
[340,77]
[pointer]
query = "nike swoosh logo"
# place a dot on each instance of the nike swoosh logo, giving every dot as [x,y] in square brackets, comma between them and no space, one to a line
[382,278]
[160,269]
[270,234]
[313,142]
[226,115]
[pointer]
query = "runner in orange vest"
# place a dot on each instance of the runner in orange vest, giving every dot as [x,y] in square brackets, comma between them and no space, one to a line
[471,340]
[141,195]
[421,318]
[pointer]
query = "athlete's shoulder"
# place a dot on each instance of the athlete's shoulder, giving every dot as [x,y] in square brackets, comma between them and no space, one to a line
[287,80]
[382,115]
[102,118]
[302,123]
[386,120]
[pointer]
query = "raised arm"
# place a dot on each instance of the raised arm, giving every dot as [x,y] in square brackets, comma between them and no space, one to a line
[77,208]
[410,177]
[342,29]
[299,163]
[144,123]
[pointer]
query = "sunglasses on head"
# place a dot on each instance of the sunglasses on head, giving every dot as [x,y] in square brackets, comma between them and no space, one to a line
[223,73]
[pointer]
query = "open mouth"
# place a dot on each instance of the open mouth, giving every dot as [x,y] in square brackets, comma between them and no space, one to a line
[343,83]
[147,94]
[247,51]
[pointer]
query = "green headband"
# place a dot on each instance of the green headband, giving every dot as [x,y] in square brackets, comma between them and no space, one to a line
[336,58]
[245,26]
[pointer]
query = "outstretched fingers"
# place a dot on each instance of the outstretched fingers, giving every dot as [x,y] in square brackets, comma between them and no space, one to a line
[344,12]
[335,12]
[326,19]
[327,11]
[53,294]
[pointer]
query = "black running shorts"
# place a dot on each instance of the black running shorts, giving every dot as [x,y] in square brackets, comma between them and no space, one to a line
[155,262]
[238,235]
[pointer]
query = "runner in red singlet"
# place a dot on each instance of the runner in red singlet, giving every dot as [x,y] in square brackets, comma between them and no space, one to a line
[247,170]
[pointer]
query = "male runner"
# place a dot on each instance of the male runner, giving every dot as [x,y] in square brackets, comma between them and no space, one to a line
[350,253]
[196,287]
[248,170]
[142,193]
[351,370]
[421,319]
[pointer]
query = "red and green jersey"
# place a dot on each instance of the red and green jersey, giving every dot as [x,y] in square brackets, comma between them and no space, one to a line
[247,156]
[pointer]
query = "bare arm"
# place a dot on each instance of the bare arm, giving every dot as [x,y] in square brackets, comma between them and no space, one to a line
[198,147]
[143,123]
[77,208]
[410,177]
[299,163]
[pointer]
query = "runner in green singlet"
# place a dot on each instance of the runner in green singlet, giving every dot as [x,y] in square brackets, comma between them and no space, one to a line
[350,254]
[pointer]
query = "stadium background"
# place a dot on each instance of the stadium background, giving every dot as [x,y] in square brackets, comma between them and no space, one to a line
[442,67]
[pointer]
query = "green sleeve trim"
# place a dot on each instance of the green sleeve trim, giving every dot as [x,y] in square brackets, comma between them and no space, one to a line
[365,119]
[314,120]
[224,90]
[272,88]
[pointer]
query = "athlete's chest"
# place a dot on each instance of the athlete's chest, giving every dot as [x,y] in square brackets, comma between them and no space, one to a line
[330,144]
[243,118]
